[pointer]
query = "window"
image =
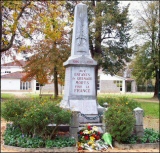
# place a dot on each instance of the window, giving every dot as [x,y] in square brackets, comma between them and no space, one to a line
[37,86]
[119,84]
[25,85]
[7,72]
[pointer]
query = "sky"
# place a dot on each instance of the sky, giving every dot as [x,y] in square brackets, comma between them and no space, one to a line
[133,5]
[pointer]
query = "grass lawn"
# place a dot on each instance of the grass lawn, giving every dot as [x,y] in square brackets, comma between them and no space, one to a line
[7,95]
[150,109]
[147,95]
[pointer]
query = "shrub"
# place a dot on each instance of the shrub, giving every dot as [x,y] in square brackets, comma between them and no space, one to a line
[120,122]
[14,137]
[34,116]
[119,101]
[150,136]
[13,110]
[60,142]
[109,100]
[126,102]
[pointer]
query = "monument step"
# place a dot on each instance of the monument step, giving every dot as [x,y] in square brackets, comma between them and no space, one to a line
[65,127]
[80,125]
[92,124]
[99,125]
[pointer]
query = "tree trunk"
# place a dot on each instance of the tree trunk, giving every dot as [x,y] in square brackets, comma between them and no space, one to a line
[96,78]
[0,23]
[98,39]
[40,89]
[156,85]
[55,83]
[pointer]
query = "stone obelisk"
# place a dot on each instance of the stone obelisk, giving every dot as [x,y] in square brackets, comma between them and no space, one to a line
[79,91]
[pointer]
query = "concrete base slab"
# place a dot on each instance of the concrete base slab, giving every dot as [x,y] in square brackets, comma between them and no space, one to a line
[136,146]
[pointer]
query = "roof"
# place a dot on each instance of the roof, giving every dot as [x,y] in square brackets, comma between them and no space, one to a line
[14,75]
[129,79]
[15,63]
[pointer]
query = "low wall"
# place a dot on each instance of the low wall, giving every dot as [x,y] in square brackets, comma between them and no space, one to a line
[55,149]
[137,146]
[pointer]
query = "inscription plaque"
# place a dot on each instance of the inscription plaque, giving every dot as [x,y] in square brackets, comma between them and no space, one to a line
[82,81]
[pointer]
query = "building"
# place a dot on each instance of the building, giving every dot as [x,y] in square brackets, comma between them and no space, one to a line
[11,75]
[115,84]
[11,79]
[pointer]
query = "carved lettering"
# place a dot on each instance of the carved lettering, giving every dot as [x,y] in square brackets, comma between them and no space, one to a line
[81,90]
[82,83]
[76,61]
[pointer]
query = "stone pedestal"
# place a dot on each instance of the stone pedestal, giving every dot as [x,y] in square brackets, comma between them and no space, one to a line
[138,113]
[79,91]
[133,86]
[74,125]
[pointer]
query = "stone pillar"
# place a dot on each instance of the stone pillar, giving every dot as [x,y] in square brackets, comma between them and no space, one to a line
[123,86]
[103,120]
[133,86]
[138,128]
[74,125]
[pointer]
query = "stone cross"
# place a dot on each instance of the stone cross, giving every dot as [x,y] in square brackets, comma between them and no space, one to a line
[80,89]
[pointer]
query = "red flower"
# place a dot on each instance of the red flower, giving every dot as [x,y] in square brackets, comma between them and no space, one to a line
[93,135]
[99,133]
[80,148]
[86,137]
[89,127]
[81,133]
[97,137]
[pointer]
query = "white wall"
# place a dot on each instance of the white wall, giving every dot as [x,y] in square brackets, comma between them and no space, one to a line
[10,68]
[109,77]
[10,84]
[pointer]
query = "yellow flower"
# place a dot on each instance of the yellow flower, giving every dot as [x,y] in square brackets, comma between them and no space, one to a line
[126,103]
[90,142]
[93,146]
[92,138]
[79,144]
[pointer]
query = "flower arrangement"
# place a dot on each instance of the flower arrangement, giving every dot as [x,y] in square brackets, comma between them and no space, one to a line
[89,138]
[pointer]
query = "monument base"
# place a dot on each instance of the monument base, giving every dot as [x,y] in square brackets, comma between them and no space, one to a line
[87,109]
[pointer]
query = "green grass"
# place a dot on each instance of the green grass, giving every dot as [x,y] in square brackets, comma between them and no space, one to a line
[150,109]
[32,95]
[7,96]
[129,95]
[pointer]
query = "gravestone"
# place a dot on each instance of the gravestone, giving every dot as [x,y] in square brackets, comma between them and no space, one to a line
[80,91]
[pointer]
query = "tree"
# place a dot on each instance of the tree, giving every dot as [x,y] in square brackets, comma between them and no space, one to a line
[146,63]
[52,50]
[108,33]
[109,27]
[14,13]
[43,23]
[46,63]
